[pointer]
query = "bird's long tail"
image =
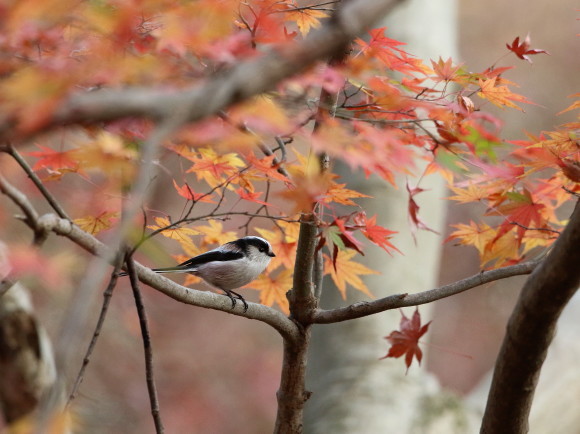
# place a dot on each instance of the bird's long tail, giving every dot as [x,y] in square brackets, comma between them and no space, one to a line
[166,270]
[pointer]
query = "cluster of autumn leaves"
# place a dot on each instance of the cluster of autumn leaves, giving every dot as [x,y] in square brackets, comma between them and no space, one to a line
[390,110]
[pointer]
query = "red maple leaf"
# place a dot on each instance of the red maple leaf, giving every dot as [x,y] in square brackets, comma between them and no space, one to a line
[53,160]
[413,210]
[523,49]
[406,339]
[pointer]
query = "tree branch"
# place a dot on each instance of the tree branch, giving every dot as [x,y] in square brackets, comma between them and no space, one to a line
[359,310]
[147,348]
[530,331]
[234,85]
[288,330]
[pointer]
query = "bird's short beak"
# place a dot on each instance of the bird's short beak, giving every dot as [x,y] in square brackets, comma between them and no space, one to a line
[271,254]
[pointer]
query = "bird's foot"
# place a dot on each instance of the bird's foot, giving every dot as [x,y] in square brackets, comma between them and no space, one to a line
[233,296]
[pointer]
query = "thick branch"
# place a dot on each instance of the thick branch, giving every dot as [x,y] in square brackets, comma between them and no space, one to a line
[237,84]
[530,331]
[359,310]
[288,330]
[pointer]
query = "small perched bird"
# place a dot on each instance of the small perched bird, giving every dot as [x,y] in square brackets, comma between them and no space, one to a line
[229,266]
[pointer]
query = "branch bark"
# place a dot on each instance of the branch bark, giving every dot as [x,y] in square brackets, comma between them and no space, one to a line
[529,333]
[237,84]
[362,309]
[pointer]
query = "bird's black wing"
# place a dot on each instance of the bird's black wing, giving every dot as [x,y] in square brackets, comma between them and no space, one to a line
[212,255]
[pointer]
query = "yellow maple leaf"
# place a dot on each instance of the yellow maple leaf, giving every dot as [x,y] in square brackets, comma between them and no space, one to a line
[179,234]
[306,19]
[95,224]
[273,289]
[347,271]
[500,96]
[339,194]
[502,250]
[478,236]
[212,167]
[214,233]
[472,193]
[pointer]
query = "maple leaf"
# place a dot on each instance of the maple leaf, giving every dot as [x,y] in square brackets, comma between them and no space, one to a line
[211,166]
[266,166]
[214,233]
[375,233]
[575,105]
[340,194]
[252,197]
[273,289]
[500,96]
[522,49]
[473,193]
[95,224]
[54,160]
[405,341]
[306,19]
[413,210]
[445,70]
[347,271]
[187,192]
[521,210]
[478,236]
[178,234]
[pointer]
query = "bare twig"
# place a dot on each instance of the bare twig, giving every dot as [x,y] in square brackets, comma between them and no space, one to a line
[529,333]
[104,309]
[37,182]
[148,350]
[362,309]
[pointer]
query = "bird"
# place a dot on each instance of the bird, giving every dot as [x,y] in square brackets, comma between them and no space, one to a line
[229,266]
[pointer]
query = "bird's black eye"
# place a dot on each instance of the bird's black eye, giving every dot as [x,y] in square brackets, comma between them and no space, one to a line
[261,249]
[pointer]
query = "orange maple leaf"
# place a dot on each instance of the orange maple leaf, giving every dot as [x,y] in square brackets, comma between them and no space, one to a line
[500,96]
[306,19]
[273,289]
[95,224]
[187,192]
[378,234]
[211,166]
[342,271]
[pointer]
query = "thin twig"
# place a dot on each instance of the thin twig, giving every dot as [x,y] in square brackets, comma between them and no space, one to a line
[37,182]
[147,348]
[104,309]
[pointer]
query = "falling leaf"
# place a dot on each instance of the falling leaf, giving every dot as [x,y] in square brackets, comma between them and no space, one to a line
[405,341]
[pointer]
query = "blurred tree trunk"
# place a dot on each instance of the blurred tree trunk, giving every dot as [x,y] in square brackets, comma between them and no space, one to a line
[354,391]
[26,361]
